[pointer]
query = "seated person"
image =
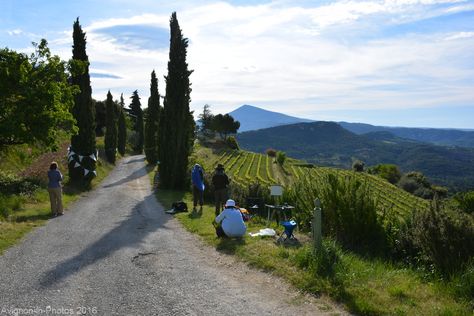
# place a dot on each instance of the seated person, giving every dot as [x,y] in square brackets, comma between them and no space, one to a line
[230,223]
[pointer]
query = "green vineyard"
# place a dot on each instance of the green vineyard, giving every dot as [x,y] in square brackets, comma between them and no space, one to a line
[246,167]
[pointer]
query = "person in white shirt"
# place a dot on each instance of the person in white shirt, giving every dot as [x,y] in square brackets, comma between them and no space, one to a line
[229,223]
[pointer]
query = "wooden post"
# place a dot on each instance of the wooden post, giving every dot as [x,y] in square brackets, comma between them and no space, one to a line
[317,238]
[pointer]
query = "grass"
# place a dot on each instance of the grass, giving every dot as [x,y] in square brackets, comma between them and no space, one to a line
[32,211]
[365,286]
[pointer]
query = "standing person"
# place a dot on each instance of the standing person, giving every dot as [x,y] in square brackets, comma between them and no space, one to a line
[230,223]
[197,177]
[54,188]
[220,181]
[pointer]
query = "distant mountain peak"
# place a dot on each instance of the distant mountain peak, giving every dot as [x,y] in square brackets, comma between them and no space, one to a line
[252,118]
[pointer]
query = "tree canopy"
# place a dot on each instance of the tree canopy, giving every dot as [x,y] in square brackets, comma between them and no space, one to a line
[111,132]
[83,143]
[152,121]
[136,113]
[35,97]
[224,125]
[122,128]
[177,123]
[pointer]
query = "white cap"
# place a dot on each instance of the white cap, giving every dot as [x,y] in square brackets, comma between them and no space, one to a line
[230,203]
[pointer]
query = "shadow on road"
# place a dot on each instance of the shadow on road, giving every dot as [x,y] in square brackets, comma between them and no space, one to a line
[144,219]
[135,175]
[136,160]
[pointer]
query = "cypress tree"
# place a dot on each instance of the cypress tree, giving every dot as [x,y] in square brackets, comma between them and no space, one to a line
[122,128]
[111,129]
[83,153]
[152,122]
[177,124]
[137,117]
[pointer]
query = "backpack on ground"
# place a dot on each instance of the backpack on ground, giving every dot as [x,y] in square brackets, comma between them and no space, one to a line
[177,207]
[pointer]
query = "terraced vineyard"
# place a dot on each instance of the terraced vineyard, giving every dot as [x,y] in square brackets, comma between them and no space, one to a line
[245,167]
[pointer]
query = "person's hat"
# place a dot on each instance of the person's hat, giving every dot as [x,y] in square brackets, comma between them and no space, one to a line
[220,166]
[230,203]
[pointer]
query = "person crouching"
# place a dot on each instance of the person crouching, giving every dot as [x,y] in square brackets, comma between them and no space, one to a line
[229,223]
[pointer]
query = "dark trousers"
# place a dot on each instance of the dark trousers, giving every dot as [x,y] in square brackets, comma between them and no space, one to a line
[220,232]
[198,195]
[220,197]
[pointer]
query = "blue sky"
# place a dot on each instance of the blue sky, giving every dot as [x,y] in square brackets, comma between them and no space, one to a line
[391,62]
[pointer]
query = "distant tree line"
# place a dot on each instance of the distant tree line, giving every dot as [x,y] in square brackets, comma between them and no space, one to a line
[224,125]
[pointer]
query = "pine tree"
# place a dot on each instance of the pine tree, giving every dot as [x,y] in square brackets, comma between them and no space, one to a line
[177,124]
[122,128]
[152,122]
[111,129]
[137,116]
[83,153]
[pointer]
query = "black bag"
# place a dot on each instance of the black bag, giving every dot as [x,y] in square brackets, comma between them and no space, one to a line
[179,206]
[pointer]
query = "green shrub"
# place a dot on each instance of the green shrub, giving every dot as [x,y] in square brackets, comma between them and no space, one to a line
[231,141]
[280,157]
[417,184]
[358,166]
[465,201]
[389,172]
[271,152]
[349,213]
[462,284]
[322,262]
[12,184]
[10,204]
[252,190]
[439,237]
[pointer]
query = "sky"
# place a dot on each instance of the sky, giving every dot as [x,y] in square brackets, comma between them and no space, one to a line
[392,62]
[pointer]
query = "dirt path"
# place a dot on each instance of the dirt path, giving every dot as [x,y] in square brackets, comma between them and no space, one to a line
[116,252]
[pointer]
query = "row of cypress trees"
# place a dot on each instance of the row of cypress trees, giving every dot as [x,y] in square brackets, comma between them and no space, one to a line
[83,154]
[166,133]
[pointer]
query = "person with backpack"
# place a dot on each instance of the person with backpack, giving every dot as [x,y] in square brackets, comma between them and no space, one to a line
[197,178]
[220,181]
[230,223]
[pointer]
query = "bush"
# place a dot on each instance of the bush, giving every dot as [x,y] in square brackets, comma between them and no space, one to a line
[271,152]
[349,211]
[280,157]
[441,237]
[358,166]
[389,172]
[252,190]
[232,143]
[465,201]
[417,184]
[9,204]
[12,184]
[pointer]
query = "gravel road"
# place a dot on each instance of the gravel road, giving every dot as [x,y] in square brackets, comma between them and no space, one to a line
[116,252]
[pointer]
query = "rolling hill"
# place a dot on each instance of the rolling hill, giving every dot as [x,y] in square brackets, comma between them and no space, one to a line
[254,118]
[328,144]
[445,137]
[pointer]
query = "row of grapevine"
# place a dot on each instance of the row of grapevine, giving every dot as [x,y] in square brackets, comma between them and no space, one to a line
[245,167]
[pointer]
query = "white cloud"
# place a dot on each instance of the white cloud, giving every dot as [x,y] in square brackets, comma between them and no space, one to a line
[15,32]
[460,35]
[284,58]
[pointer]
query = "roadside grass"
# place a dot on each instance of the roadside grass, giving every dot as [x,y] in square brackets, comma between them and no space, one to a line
[366,286]
[32,211]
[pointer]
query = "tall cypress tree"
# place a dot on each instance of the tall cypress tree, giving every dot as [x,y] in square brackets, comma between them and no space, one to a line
[152,122]
[83,154]
[177,124]
[122,128]
[137,117]
[111,129]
